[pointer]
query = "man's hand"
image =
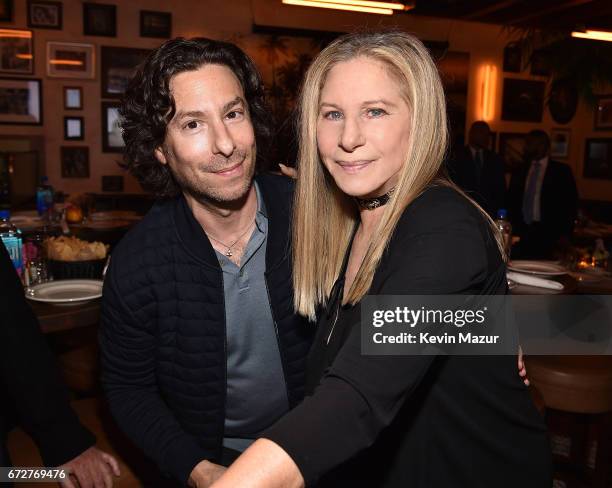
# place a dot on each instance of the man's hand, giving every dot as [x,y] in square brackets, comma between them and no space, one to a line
[92,468]
[205,474]
[521,367]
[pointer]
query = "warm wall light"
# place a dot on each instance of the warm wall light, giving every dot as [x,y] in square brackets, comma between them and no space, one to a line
[22,34]
[486,102]
[24,56]
[338,6]
[66,62]
[595,35]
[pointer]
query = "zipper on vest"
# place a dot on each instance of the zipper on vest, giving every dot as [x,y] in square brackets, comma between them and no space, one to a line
[224,364]
[280,349]
[333,324]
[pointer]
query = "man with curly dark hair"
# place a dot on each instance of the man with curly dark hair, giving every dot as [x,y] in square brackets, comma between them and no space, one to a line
[201,349]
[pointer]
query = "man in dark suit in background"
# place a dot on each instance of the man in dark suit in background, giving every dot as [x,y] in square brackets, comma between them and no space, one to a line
[479,171]
[543,200]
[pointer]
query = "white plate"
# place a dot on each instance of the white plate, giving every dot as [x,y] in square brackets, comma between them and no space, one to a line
[64,292]
[539,268]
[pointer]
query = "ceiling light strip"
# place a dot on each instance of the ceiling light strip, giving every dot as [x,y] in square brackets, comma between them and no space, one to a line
[366,3]
[594,35]
[337,6]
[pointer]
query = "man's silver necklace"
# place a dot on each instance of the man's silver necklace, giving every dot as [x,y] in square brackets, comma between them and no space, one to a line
[228,250]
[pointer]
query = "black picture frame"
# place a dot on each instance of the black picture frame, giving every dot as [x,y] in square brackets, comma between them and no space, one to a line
[45,14]
[603,113]
[563,101]
[155,24]
[540,63]
[71,60]
[99,19]
[74,128]
[513,58]
[560,143]
[6,10]
[523,100]
[73,98]
[21,101]
[117,68]
[112,183]
[112,139]
[74,161]
[598,158]
[17,51]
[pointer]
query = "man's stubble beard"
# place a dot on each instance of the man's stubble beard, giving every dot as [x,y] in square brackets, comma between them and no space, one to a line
[204,193]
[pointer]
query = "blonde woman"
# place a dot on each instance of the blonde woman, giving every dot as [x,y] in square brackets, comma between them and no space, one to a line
[374,215]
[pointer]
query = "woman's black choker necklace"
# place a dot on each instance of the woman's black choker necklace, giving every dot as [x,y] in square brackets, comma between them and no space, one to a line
[372,203]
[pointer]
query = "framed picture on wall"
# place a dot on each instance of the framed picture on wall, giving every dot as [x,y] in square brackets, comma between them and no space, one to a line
[99,20]
[6,10]
[559,143]
[118,66]
[540,64]
[112,138]
[73,128]
[563,101]
[603,113]
[155,24]
[16,55]
[44,14]
[74,161]
[523,100]
[73,98]
[71,60]
[598,158]
[21,101]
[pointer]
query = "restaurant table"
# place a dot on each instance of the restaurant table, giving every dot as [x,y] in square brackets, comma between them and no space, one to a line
[60,318]
[571,285]
[579,386]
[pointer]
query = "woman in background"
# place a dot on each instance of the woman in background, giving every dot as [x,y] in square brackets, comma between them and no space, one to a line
[375,215]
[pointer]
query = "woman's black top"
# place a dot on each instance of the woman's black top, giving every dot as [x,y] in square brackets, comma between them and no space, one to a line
[418,421]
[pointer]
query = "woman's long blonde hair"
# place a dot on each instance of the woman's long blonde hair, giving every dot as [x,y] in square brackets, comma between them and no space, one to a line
[323,216]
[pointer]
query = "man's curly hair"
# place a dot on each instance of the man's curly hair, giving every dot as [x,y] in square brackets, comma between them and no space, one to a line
[148,105]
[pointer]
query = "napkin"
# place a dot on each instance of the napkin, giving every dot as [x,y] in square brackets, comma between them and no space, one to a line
[524,279]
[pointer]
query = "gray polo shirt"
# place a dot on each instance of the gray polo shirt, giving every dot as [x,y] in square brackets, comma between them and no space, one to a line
[256,390]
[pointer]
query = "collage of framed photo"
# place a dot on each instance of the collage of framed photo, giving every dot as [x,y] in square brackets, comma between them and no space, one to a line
[99,19]
[21,101]
[73,98]
[74,161]
[74,128]
[71,60]
[44,14]
[6,10]
[112,139]
[598,158]
[559,143]
[16,52]
[603,113]
[118,65]
[155,24]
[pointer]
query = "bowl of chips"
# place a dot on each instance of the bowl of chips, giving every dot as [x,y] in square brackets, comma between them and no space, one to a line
[71,258]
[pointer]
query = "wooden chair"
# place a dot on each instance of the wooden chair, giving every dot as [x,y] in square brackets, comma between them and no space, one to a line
[582,386]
